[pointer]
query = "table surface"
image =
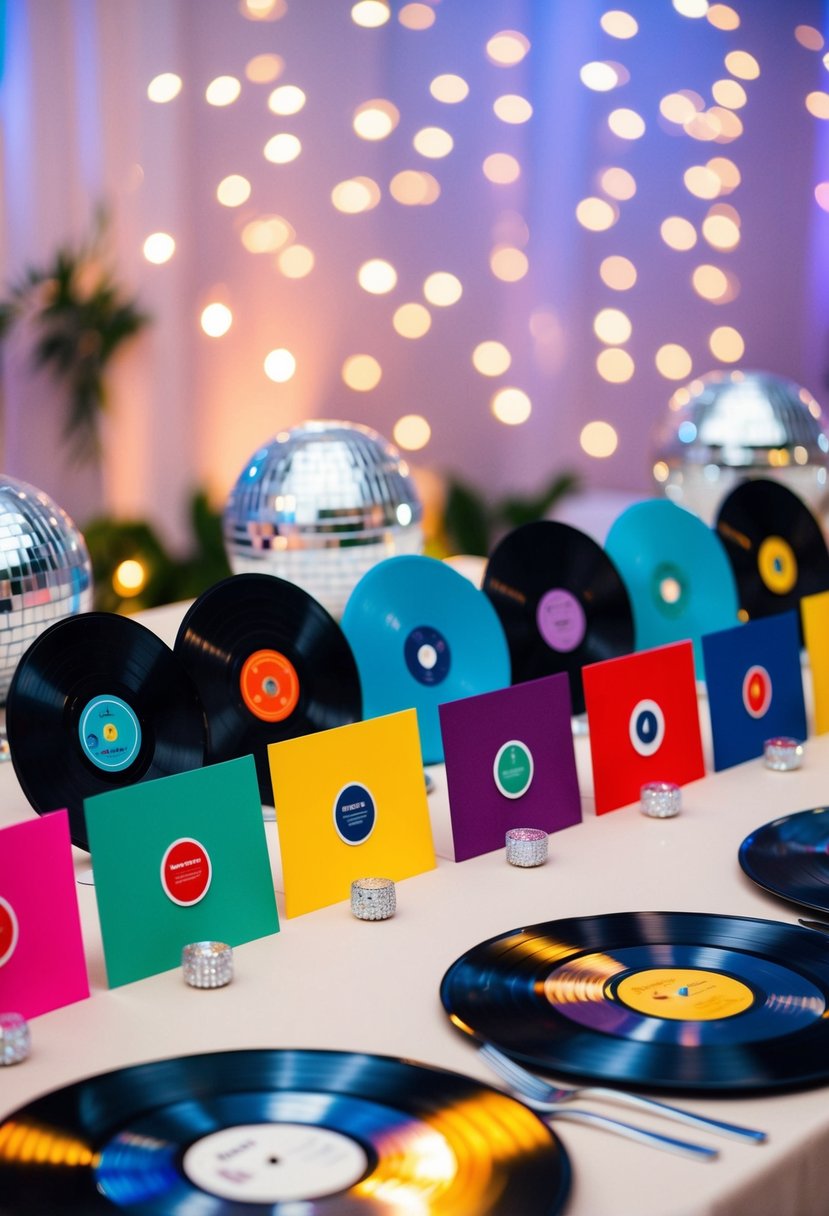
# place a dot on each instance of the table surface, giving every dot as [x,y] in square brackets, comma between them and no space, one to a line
[327,980]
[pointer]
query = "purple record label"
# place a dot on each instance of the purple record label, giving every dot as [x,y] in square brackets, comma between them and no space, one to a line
[561,620]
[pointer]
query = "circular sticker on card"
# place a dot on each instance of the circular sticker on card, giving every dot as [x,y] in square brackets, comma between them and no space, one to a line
[513,768]
[109,733]
[354,813]
[186,872]
[275,1163]
[561,620]
[9,931]
[427,655]
[757,691]
[647,727]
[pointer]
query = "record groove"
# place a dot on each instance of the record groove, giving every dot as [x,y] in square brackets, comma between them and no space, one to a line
[790,857]
[272,1131]
[561,601]
[269,663]
[99,701]
[658,1000]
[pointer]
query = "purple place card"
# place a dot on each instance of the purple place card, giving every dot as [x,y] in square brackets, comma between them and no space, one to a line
[510,763]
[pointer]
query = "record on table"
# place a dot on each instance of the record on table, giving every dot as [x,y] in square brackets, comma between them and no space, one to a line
[775,545]
[269,663]
[790,857]
[98,701]
[422,634]
[677,574]
[275,1131]
[655,1000]
[561,601]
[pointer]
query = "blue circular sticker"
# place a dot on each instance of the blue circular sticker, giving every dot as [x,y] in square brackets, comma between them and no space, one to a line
[427,655]
[354,814]
[646,727]
[110,734]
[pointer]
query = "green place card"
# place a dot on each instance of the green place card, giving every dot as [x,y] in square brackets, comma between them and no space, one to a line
[179,860]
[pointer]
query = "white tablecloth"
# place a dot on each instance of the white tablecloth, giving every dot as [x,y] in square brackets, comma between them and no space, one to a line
[328,980]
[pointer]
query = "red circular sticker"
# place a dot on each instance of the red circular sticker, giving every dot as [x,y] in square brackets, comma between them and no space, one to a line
[9,931]
[756,691]
[186,872]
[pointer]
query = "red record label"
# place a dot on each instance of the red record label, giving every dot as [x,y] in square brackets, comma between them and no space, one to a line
[186,872]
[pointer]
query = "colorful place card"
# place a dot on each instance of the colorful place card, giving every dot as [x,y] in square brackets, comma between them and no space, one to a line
[644,722]
[177,860]
[755,686]
[350,803]
[510,763]
[814,611]
[42,963]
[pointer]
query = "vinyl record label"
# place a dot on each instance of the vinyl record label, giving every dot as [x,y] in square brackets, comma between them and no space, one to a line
[285,1132]
[661,1000]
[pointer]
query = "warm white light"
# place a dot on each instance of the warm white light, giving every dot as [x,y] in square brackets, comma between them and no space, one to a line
[266,234]
[222,91]
[412,320]
[729,93]
[296,261]
[159,247]
[129,578]
[673,361]
[280,365]
[355,195]
[374,120]
[613,326]
[287,99]
[282,149]
[618,273]
[701,181]
[626,124]
[442,289]
[512,108]
[416,16]
[726,344]
[721,231]
[449,88]
[511,406]
[742,65]
[501,168]
[412,432]
[433,142]
[377,277]
[216,319]
[601,77]
[414,188]
[491,358]
[370,13]
[362,373]
[507,48]
[691,8]
[619,24]
[599,439]
[508,263]
[619,184]
[596,214]
[263,69]
[164,87]
[723,17]
[615,365]
[234,190]
[678,233]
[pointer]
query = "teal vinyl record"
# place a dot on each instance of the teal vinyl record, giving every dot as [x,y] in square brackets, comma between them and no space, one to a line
[677,573]
[422,634]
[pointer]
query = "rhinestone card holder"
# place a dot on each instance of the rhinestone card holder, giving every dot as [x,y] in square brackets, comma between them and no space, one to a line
[526,847]
[15,1040]
[373,898]
[207,964]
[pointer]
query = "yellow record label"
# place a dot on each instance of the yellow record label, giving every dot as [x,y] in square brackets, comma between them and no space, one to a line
[684,994]
[777,565]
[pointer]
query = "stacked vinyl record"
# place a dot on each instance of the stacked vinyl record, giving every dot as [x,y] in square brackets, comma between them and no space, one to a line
[662,1000]
[790,857]
[775,545]
[560,600]
[422,634]
[99,701]
[269,663]
[280,1131]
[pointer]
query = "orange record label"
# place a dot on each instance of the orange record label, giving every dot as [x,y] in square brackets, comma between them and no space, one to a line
[269,685]
[684,994]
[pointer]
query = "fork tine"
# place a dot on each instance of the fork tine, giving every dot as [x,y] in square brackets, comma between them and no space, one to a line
[506,1067]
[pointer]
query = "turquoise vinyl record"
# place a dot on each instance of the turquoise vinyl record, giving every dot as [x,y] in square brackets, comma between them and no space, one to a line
[677,574]
[422,634]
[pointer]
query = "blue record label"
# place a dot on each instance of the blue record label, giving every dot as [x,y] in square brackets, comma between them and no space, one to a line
[109,733]
[354,813]
[427,655]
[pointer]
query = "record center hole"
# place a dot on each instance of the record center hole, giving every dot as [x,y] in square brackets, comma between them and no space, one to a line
[270,687]
[670,590]
[274,1161]
[427,656]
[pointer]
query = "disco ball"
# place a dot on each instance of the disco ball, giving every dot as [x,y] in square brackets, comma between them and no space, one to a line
[727,426]
[319,505]
[45,572]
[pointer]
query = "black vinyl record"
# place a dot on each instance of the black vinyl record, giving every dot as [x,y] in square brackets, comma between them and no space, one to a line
[775,545]
[656,1000]
[790,857]
[99,701]
[272,1131]
[561,601]
[269,664]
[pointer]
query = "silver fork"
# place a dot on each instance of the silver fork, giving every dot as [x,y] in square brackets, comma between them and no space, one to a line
[533,1089]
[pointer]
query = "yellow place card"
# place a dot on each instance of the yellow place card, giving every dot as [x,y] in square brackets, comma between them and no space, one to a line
[814,611]
[350,803]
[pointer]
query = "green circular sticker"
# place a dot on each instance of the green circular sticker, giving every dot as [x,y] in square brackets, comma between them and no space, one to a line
[513,769]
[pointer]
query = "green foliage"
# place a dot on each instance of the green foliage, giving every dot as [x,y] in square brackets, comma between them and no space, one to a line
[168,579]
[473,524]
[79,318]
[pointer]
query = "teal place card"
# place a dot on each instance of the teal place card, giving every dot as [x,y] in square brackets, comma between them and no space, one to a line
[179,860]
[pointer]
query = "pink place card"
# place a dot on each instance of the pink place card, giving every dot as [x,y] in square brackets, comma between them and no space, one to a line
[42,963]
